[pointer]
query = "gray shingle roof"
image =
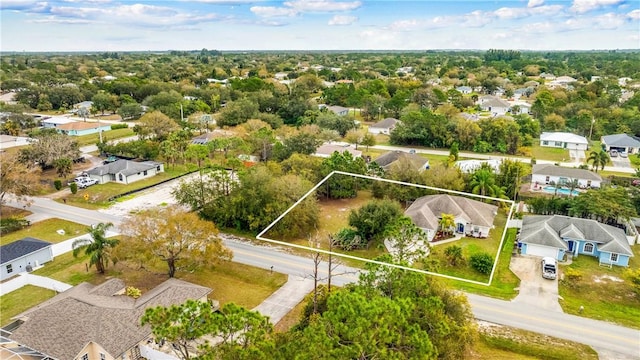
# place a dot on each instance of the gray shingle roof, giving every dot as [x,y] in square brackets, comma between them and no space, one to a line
[21,248]
[426,211]
[621,140]
[387,159]
[553,170]
[547,230]
[386,123]
[126,167]
[61,326]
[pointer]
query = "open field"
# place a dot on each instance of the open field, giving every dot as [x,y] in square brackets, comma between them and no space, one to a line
[92,139]
[549,153]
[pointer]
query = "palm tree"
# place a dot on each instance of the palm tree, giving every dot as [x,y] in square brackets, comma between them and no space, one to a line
[572,184]
[447,221]
[598,159]
[97,247]
[483,182]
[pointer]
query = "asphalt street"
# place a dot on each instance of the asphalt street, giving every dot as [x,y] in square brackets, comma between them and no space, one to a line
[616,341]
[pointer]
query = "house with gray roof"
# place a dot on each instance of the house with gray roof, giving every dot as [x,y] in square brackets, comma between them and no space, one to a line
[472,218]
[396,158]
[547,174]
[125,171]
[554,236]
[493,104]
[98,321]
[621,143]
[23,255]
[384,126]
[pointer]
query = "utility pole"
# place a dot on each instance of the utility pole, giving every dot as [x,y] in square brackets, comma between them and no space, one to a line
[593,120]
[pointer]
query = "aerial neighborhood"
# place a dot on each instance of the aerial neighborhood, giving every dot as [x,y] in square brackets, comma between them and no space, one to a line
[320,204]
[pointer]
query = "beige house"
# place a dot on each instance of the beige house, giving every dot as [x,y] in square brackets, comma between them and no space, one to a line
[89,322]
[472,217]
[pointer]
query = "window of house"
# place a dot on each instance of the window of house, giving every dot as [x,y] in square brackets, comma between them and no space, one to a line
[103,356]
[614,257]
[545,142]
[546,179]
[588,247]
[85,357]
[158,168]
[559,143]
[121,177]
[9,269]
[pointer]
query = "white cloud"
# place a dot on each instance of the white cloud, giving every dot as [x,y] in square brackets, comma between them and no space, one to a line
[272,11]
[342,20]
[322,5]
[582,6]
[534,3]
[634,15]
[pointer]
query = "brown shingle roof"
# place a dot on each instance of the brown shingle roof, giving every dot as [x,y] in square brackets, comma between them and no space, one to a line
[62,326]
[79,126]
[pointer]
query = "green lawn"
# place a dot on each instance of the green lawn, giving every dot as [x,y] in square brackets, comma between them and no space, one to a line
[92,139]
[600,291]
[21,300]
[46,230]
[504,281]
[549,153]
[98,195]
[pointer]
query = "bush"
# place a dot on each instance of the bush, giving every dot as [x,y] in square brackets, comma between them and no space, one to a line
[12,224]
[482,147]
[57,184]
[133,292]
[453,253]
[73,187]
[572,276]
[482,263]
[119,126]
[634,277]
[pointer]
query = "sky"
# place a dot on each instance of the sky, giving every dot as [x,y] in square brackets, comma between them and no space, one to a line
[156,25]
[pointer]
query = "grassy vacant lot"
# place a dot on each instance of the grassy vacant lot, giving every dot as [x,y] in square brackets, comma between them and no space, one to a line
[502,342]
[549,153]
[92,139]
[504,281]
[20,300]
[46,230]
[99,195]
[604,293]
[231,282]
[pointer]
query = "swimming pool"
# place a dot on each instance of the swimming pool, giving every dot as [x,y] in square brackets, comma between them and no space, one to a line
[561,191]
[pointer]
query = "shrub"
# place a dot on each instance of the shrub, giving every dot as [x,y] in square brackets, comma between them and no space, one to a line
[572,275]
[73,187]
[634,277]
[9,225]
[57,184]
[453,253]
[133,292]
[119,126]
[482,263]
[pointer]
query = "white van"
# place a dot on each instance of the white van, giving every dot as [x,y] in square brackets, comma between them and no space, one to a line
[549,268]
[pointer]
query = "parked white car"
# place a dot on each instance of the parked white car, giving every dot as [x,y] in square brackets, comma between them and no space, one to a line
[549,268]
[86,182]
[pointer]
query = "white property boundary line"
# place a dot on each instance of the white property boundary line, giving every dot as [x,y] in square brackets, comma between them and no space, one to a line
[493,269]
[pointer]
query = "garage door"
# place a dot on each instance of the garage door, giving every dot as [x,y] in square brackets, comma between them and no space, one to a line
[539,250]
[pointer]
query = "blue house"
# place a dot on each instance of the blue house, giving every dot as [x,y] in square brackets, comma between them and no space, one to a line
[557,235]
[83,128]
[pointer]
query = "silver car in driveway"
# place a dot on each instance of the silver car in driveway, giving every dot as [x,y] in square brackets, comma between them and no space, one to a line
[549,268]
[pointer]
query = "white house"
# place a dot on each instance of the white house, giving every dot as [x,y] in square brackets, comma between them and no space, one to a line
[55,121]
[621,143]
[125,171]
[563,140]
[466,90]
[494,105]
[327,149]
[544,174]
[23,255]
[469,166]
[385,126]
[472,218]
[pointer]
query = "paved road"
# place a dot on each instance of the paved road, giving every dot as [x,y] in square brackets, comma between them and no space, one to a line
[462,154]
[617,341]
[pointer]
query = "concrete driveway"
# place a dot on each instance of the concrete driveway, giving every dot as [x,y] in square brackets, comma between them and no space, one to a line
[620,162]
[534,290]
